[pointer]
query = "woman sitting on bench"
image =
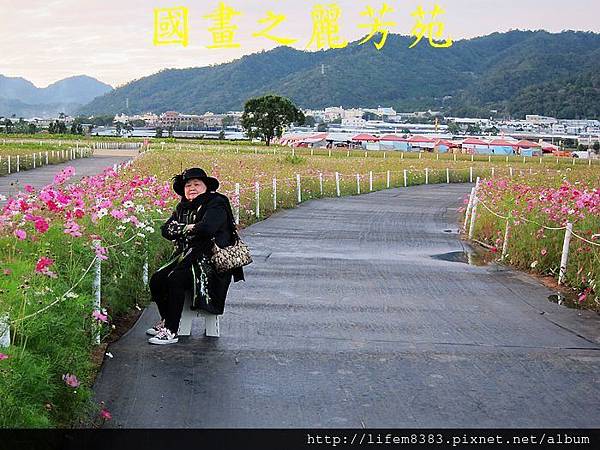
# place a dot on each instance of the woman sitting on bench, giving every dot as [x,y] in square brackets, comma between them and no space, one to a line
[202,217]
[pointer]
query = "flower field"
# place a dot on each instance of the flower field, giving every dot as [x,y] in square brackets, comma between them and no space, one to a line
[51,241]
[537,210]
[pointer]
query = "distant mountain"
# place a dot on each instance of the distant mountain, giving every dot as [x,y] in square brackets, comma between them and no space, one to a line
[515,73]
[20,97]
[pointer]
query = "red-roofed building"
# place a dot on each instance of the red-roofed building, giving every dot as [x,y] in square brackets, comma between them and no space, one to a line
[421,142]
[364,137]
[475,146]
[502,147]
[394,142]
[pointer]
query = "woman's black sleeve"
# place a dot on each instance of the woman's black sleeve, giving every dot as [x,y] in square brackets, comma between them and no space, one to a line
[213,219]
[172,229]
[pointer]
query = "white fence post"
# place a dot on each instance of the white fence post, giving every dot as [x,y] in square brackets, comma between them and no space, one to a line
[371,181]
[18,164]
[473,215]
[330,153]
[357,183]
[492,172]
[274,193]
[447,175]
[321,182]
[469,206]
[4,331]
[511,171]
[505,243]
[337,184]
[454,157]
[402,156]
[365,153]
[299,187]
[9,164]
[405,181]
[237,207]
[437,156]
[426,175]
[470,174]
[293,152]
[347,153]
[420,155]
[34,160]
[97,286]
[565,253]
[145,267]
[471,157]
[489,158]
[388,180]
[257,190]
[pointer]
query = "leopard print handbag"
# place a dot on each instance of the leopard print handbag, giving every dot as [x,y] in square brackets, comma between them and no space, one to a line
[231,257]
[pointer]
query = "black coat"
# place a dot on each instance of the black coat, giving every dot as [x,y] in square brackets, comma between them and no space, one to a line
[211,215]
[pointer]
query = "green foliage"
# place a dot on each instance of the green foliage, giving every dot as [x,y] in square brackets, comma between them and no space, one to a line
[266,117]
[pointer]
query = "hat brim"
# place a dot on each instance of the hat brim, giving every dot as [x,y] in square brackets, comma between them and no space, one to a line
[212,184]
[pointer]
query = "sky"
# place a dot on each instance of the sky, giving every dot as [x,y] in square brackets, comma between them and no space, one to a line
[46,41]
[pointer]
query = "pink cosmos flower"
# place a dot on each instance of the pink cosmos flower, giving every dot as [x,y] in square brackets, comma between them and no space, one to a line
[42,267]
[20,234]
[3,356]
[7,272]
[99,316]
[544,251]
[71,380]
[100,251]
[43,263]
[41,225]
[105,414]
[29,188]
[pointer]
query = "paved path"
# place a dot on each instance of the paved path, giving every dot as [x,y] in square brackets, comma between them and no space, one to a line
[346,320]
[42,176]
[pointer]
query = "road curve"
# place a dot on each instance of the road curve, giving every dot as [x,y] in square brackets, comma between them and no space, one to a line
[347,319]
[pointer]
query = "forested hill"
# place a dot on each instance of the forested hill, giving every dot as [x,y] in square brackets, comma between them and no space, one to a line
[515,73]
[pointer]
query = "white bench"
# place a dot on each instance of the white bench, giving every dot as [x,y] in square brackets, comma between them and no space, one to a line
[211,321]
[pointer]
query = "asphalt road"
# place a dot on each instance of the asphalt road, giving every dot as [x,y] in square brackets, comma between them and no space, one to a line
[347,319]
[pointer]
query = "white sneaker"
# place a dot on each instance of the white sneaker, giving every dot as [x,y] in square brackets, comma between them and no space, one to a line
[164,337]
[156,328]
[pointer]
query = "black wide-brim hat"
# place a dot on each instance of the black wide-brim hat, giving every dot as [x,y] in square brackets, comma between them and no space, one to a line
[212,184]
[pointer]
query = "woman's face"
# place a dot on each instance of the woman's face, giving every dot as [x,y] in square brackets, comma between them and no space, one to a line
[193,188]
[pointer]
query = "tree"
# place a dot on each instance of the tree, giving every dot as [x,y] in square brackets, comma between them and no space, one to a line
[473,129]
[596,147]
[266,117]
[322,127]
[170,131]
[221,135]
[453,128]
[8,125]
[159,132]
